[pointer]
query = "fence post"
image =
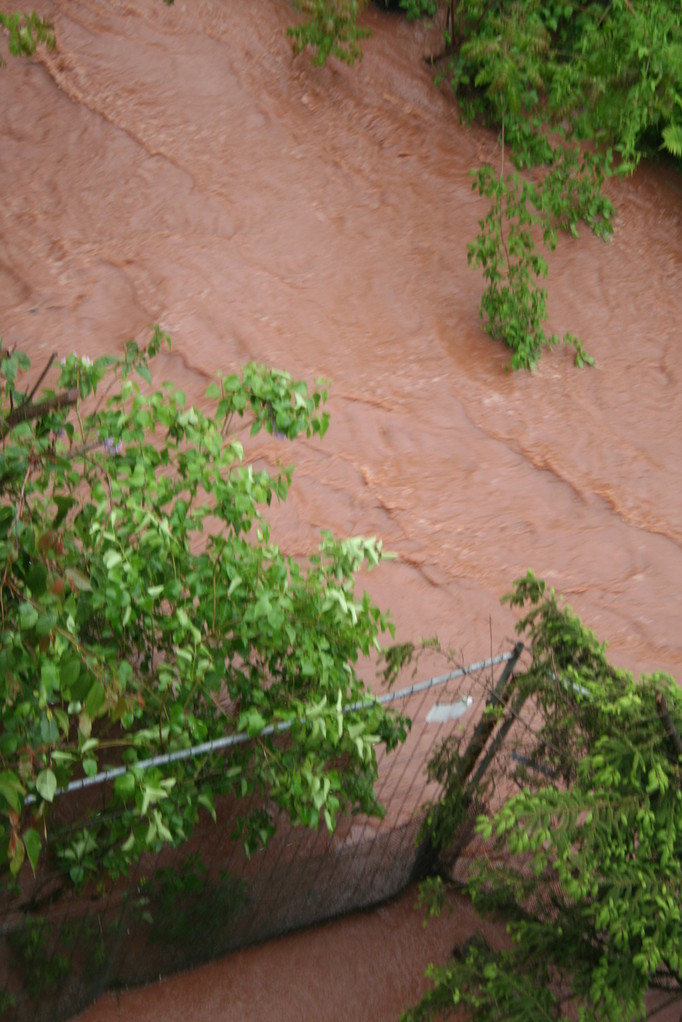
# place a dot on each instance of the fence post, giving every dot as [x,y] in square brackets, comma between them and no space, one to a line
[500,696]
[428,859]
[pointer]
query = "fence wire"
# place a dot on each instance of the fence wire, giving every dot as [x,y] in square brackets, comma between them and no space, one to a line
[61,948]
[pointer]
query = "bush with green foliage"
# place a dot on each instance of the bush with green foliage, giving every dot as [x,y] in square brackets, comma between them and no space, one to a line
[578,92]
[610,71]
[145,608]
[553,78]
[26,32]
[513,306]
[584,868]
[330,28]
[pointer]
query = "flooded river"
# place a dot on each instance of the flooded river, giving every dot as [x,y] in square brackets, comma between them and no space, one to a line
[179,165]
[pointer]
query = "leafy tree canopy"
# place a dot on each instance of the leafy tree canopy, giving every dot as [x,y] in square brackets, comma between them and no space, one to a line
[329,28]
[145,608]
[26,32]
[577,91]
[609,70]
[584,862]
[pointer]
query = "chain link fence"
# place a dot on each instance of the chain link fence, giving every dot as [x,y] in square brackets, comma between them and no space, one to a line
[60,947]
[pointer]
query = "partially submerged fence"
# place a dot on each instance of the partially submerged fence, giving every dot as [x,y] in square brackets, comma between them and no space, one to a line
[61,948]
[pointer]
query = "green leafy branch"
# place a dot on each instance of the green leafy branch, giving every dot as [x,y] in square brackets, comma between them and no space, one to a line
[146,609]
[585,869]
[330,29]
[26,32]
[513,306]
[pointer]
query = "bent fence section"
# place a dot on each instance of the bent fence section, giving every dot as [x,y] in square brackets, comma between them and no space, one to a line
[60,948]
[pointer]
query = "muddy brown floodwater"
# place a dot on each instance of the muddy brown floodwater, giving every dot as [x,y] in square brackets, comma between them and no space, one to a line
[178,165]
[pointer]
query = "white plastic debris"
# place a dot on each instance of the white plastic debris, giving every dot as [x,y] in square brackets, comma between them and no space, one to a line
[442,712]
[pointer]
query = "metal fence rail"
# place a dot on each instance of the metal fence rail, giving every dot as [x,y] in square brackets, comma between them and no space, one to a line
[60,949]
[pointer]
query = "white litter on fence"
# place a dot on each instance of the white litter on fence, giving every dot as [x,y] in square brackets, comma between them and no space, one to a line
[442,712]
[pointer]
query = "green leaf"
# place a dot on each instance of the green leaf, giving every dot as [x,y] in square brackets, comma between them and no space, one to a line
[45,625]
[253,722]
[17,858]
[49,677]
[68,672]
[46,785]
[12,790]
[128,844]
[77,580]
[33,846]
[62,756]
[113,557]
[28,616]
[37,578]
[125,785]
[205,799]
[95,700]
[672,139]
[64,505]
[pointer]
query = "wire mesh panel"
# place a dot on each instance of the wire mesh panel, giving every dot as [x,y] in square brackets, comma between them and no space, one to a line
[62,945]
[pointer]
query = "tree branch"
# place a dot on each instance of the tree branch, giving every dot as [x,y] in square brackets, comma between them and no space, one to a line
[39,409]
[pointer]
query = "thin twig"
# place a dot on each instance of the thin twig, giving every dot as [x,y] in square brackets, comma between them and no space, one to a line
[42,376]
